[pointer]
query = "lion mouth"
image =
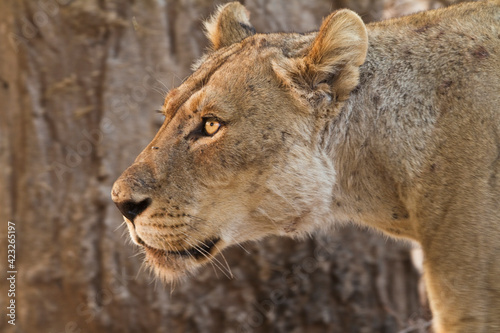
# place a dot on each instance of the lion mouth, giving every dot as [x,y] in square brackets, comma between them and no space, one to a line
[201,251]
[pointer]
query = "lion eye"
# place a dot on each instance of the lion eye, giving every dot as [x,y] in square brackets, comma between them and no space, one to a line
[212,126]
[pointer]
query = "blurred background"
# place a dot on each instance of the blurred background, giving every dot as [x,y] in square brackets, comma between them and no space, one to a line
[79,85]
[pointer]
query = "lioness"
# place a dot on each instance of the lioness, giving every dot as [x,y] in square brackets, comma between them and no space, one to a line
[394,125]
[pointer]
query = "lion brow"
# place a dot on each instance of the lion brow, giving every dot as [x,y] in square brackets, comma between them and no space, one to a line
[178,96]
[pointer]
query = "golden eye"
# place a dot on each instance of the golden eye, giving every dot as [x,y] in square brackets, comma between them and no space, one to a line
[212,126]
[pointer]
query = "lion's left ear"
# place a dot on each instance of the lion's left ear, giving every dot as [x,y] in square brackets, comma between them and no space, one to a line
[229,25]
[333,59]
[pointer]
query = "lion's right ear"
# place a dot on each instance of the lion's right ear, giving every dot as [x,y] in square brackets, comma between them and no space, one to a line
[229,25]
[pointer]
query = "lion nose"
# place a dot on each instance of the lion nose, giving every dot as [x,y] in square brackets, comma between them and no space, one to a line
[132,191]
[130,209]
[129,198]
[129,204]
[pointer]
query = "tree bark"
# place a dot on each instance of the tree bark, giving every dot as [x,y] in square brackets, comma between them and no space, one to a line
[79,85]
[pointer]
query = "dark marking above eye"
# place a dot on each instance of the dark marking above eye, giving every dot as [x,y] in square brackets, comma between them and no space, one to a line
[480,52]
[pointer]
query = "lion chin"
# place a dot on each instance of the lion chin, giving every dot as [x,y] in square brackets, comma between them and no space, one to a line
[173,265]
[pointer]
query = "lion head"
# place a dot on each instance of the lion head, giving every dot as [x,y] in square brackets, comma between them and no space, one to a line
[241,154]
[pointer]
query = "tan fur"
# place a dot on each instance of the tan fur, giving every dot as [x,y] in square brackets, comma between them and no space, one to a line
[395,125]
[229,25]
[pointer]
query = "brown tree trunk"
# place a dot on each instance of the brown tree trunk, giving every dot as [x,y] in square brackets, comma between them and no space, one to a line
[79,83]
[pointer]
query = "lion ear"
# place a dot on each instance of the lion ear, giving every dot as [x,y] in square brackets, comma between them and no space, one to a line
[229,25]
[337,52]
[333,58]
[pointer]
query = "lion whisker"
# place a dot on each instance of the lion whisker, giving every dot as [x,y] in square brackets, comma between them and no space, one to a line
[240,245]
[225,261]
[212,262]
[121,225]
[171,248]
[135,255]
[210,257]
[232,238]
[159,91]
[215,245]
[226,271]
[167,89]
[235,242]
[141,269]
